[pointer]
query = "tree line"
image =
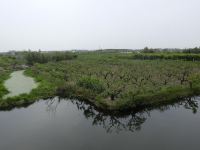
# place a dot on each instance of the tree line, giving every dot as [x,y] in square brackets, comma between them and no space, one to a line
[44,57]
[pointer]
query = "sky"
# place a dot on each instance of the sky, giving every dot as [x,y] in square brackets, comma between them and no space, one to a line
[98,24]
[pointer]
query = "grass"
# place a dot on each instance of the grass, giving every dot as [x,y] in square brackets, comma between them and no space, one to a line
[6,67]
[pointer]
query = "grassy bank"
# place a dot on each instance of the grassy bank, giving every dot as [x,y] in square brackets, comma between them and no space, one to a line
[3,90]
[112,81]
[7,65]
[43,91]
[46,88]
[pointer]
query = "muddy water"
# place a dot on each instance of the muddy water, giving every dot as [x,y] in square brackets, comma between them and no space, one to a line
[18,84]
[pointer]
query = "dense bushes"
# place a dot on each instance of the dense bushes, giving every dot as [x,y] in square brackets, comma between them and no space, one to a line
[110,82]
[167,56]
[3,90]
[114,83]
[195,50]
[91,83]
[44,57]
[7,65]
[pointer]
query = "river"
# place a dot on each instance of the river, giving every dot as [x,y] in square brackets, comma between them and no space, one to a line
[60,124]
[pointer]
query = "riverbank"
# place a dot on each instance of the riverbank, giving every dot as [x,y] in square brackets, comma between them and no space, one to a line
[111,82]
[6,67]
[42,91]
[115,84]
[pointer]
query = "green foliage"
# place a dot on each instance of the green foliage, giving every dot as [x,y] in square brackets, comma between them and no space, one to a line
[194,80]
[7,64]
[195,50]
[44,57]
[167,56]
[91,83]
[148,50]
[115,82]
[3,90]
[112,82]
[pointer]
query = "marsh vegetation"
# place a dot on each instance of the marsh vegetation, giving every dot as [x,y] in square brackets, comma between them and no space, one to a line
[109,96]
[112,81]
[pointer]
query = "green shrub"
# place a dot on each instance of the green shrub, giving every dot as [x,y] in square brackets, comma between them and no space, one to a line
[194,80]
[91,83]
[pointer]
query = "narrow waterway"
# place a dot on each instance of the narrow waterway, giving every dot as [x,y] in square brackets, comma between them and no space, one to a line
[18,84]
[60,124]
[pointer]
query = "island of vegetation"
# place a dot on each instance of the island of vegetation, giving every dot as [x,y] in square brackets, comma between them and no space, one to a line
[111,80]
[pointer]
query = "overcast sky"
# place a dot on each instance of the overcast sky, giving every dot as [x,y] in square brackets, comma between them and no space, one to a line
[94,24]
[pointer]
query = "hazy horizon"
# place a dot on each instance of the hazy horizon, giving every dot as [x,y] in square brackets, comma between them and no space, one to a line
[93,24]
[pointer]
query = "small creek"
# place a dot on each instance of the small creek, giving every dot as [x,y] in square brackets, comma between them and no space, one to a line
[18,84]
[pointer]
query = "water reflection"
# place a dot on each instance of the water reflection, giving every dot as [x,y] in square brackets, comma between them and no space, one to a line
[190,103]
[52,104]
[70,124]
[110,122]
[129,121]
